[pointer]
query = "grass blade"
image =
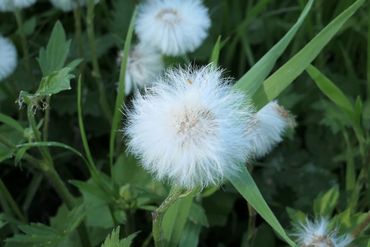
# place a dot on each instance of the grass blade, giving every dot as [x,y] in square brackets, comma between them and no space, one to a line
[253,79]
[283,77]
[246,186]
[120,99]
[330,89]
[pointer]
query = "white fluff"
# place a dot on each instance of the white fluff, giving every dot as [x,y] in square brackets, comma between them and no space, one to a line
[8,58]
[318,234]
[69,5]
[189,128]
[10,5]
[144,65]
[173,26]
[266,128]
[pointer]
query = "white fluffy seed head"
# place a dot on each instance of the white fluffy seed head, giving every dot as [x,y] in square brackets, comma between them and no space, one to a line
[8,58]
[10,5]
[144,65]
[69,5]
[266,128]
[318,234]
[189,128]
[173,26]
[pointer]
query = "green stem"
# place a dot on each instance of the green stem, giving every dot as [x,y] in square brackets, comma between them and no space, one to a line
[96,69]
[90,161]
[59,186]
[25,50]
[7,197]
[251,223]
[31,191]
[78,30]
[81,124]
[43,150]
[45,130]
[158,214]
[54,178]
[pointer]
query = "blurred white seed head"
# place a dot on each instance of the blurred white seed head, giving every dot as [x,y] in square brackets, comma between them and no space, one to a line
[266,128]
[173,26]
[189,128]
[10,5]
[69,5]
[318,234]
[8,58]
[144,65]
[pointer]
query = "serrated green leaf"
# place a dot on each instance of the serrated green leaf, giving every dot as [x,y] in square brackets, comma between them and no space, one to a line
[252,80]
[37,234]
[246,186]
[286,74]
[55,82]
[113,239]
[54,56]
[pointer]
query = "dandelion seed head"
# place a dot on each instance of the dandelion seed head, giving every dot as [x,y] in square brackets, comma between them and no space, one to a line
[8,58]
[144,65]
[189,128]
[266,128]
[10,5]
[69,5]
[173,26]
[318,234]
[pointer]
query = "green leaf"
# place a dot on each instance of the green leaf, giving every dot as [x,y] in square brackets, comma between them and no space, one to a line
[11,122]
[113,239]
[296,215]
[216,51]
[246,186]
[253,79]
[37,234]
[54,56]
[325,204]
[55,82]
[330,89]
[190,236]
[285,75]
[175,219]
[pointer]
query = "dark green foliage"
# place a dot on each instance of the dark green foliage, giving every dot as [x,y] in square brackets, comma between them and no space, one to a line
[320,169]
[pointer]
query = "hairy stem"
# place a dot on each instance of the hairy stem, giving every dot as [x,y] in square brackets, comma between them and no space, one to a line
[45,130]
[52,175]
[158,214]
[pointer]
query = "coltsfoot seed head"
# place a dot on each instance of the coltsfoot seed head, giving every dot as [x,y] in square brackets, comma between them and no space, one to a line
[144,65]
[69,5]
[266,128]
[189,128]
[173,26]
[8,58]
[10,5]
[318,234]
